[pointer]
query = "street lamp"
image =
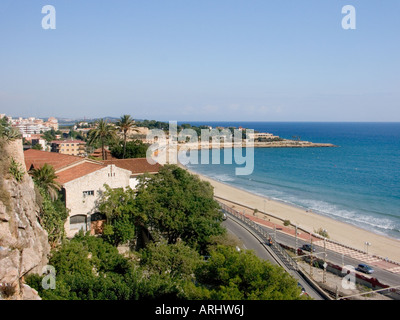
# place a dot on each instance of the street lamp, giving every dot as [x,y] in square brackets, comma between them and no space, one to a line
[296,240]
[367,244]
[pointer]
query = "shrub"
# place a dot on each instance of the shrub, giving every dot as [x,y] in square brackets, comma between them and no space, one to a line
[7,290]
[322,232]
[16,170]
[286,223]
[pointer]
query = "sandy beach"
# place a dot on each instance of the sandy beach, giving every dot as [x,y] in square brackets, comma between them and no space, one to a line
[338,231]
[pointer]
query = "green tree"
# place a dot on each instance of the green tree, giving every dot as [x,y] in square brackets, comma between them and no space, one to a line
[122,214]
[179,206]
[87,268]
[53,216]
[132,149]
[45,177]
[124,124]
[177,260]
[37,146]
[49,135]
[233,275]
[102,133]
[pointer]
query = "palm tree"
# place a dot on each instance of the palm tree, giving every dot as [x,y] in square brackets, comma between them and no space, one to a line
[45,177]
[124,124]
[103,132]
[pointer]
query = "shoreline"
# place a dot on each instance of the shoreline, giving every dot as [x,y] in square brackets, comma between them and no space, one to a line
[338,231]
[276,144]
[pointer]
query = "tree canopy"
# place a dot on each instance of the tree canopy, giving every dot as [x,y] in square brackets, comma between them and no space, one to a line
[124,124]
[102,133]
[179,206]
[133,149]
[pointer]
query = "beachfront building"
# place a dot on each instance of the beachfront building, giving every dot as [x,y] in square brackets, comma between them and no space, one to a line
[262,136]
[71,147]
[82,182]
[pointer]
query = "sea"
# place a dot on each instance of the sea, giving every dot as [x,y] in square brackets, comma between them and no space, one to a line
[357,182]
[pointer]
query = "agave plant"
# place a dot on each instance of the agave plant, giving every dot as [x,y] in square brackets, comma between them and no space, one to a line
[8,132]
[16,170]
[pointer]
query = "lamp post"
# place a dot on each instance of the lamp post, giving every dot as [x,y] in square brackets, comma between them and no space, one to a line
[325,265]
[311,258]
[367,244]
[296,240]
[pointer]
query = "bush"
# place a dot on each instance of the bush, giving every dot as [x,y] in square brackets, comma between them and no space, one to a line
[286,223]
[16,170]
[7,290]
[322,232]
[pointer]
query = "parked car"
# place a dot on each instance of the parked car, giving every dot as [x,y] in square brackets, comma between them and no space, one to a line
[365,268]
[224,216]
[308,247]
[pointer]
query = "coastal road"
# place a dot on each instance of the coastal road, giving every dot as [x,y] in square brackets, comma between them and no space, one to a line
[386,277]
[250,242]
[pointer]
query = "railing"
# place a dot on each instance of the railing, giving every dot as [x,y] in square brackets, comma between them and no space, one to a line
[275,246]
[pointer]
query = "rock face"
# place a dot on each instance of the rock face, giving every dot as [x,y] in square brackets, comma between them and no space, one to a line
[24,244]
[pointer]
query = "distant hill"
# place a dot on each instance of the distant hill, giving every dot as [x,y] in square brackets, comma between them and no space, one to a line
[69,121]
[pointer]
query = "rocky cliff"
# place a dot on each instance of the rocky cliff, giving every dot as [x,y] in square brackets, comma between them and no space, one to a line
[24,244]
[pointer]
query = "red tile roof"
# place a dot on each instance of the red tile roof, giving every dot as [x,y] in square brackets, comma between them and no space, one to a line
[37,158]
[135,165]
[78,171]
[69,168]
[98,153]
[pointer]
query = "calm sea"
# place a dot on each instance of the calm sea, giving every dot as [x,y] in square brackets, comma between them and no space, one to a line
[358,182]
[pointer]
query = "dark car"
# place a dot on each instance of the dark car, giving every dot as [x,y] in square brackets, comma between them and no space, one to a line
[303,291]
[308,247]
[365,268]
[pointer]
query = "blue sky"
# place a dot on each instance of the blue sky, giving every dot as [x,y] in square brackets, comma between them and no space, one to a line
[261,60]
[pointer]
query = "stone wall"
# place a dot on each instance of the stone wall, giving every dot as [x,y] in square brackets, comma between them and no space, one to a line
[24,244]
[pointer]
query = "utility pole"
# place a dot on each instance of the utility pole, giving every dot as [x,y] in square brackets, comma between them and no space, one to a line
[325,265]
[296,240]
[311,258]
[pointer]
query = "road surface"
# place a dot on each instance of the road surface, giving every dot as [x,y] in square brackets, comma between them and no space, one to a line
[250,242]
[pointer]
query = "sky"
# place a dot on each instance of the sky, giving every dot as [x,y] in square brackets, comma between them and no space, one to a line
[205,60]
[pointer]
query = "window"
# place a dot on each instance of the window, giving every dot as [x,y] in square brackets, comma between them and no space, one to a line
[78,222]
[88,193]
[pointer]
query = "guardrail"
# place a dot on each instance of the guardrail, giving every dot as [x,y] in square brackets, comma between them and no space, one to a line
[270,240]
[313,234]
[286,259]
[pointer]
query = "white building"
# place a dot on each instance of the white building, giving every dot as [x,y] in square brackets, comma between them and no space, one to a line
[83,180]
